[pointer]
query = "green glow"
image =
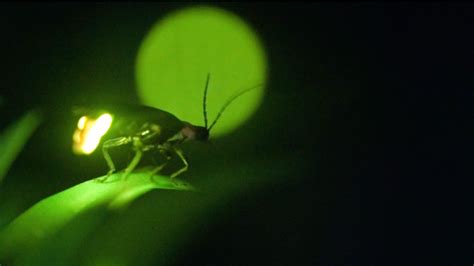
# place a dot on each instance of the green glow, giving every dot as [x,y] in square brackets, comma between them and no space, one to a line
[180,50]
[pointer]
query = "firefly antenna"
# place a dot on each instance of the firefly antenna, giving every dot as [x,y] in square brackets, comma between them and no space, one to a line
[204,101]
[229,101]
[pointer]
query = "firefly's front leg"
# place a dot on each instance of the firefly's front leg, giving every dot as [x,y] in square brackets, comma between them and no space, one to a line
[181,155]
[116,142]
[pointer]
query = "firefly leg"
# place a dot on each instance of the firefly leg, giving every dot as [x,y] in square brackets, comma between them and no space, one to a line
[139,148]
[164,152]
[180,153]
[110,144]
[136,159]
[148,131]
[158,168]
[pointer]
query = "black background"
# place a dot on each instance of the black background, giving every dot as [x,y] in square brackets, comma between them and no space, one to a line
[373,102]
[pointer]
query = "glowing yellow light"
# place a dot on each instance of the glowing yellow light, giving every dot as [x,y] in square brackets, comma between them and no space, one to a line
[82,122]
[89,132]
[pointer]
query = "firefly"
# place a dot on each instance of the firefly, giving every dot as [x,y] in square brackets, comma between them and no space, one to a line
[144,128]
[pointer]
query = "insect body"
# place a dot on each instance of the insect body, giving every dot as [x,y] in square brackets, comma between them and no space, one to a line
[144,128]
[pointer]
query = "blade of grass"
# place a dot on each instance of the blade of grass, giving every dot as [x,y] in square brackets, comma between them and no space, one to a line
[49,215]
[14,138]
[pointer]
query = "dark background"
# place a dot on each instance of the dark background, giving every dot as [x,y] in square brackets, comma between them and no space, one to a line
[371,104]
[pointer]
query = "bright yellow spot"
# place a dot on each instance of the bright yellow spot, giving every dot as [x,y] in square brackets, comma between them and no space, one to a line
[182,48]
[81,122]
[89,131]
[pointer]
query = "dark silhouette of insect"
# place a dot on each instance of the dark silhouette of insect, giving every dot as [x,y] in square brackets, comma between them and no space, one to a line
[144,128]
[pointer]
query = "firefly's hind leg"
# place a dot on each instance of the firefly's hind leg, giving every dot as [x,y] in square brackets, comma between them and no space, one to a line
[158,168]
[181,155]
[116,142]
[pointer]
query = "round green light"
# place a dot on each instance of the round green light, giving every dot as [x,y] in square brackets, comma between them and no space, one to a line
[181,49]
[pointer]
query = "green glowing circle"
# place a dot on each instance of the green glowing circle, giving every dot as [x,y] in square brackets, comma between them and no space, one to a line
[181,49]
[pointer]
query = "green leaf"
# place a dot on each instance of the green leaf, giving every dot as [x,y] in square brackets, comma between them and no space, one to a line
[48,216]
[14,138]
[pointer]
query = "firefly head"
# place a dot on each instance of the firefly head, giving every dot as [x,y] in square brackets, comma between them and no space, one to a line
[191,132]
